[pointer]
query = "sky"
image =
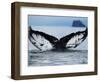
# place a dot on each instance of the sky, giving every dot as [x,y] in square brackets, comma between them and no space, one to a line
[35,20]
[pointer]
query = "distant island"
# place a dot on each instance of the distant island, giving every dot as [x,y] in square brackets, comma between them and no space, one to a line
[77,23]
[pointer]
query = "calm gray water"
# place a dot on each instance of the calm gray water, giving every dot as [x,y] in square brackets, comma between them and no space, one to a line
[54,58]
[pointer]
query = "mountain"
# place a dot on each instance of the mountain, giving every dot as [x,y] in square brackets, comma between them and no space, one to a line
[77,23]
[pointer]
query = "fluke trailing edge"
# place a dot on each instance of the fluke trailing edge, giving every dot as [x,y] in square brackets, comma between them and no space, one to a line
[43,41]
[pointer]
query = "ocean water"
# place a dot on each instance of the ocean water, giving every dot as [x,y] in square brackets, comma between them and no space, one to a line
[72,56]
[53,58]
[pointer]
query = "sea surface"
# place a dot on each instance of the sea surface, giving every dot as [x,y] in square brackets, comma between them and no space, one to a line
[53,58]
